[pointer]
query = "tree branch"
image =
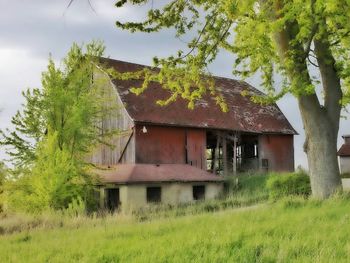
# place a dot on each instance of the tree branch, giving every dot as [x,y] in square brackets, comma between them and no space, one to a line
[330,79]
[312,63]
[309,41]
[340,39]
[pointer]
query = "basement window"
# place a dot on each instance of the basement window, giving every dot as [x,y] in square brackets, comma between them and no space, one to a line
[265,164]
[112,199]
[198,192]
[154,194]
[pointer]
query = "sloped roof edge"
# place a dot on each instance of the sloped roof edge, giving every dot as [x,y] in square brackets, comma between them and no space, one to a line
[244,115]
[153,173]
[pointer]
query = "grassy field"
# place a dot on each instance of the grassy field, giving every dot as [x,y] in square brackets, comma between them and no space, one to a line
[287,231]
[290,230]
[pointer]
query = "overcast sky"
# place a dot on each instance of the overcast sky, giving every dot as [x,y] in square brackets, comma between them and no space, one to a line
[31,30]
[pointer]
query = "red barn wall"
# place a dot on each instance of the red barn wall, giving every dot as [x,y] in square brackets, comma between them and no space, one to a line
[279,150]
[196,147]
[170,145]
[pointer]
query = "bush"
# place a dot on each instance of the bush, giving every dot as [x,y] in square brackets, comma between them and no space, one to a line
[56,181]
[280,185]
[345,175]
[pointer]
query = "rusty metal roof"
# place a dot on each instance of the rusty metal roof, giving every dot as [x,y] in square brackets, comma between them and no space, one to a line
[344,150]
[152,173]
[243,115]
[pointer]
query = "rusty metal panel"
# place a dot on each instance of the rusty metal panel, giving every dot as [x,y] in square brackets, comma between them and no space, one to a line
[243,115]
[278,150]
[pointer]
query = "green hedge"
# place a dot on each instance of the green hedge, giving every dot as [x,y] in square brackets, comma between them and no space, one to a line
[345,175]
[288,184]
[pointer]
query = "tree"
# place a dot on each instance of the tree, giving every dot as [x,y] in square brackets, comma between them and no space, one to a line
[305,42]
[58,126]
[71,104]
[3,173]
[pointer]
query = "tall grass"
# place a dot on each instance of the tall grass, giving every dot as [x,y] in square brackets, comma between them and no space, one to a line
[250,190]
[290,230]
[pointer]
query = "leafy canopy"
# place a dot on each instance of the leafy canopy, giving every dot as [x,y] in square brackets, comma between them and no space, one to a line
[70,106]
[58,126]
[251,30]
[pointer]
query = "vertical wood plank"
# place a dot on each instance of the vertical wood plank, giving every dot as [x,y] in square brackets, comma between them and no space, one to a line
[224,155]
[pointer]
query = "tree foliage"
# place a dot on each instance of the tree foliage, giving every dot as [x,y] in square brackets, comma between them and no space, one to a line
[250,29]
[70,105]
[3,174]
[306,43]
[58,126]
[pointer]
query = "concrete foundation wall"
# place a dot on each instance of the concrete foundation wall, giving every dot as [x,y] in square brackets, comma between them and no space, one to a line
[344,162]
[133,197]
[346,183]
[212,191]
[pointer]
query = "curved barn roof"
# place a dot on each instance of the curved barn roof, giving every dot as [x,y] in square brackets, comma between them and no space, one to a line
[243,115]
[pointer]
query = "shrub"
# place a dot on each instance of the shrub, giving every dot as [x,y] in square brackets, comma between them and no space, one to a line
[345,175]
[55,182]
[280,185]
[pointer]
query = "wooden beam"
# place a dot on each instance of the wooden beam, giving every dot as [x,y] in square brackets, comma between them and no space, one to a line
[224,156]
[126,146]
[216,153]
[235,155]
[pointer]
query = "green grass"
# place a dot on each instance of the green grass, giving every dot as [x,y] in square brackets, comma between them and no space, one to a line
[292,230]
[251,190]
[244,227]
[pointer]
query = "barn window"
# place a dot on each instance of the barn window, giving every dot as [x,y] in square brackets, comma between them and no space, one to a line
[112,200]
[154,194]
[198,192]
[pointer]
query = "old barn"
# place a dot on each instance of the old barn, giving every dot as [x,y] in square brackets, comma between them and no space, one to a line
[172,154]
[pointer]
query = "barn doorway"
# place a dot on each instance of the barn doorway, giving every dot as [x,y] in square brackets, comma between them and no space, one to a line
[229,152]
[113,199]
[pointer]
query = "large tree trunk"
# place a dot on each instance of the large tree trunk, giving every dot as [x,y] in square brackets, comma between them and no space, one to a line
[322,131]
[321,149]
[321,122]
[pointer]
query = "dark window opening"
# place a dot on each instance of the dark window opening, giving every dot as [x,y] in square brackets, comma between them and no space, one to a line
[265,164]
[198,192]
[113,200]
[154,194]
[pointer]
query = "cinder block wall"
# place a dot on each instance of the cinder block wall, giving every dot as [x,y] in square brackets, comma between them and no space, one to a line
[133,197]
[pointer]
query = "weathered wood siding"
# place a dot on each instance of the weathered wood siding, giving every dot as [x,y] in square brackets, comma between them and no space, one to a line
[278,150]
[163,145]
[120,121]
[196,147]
